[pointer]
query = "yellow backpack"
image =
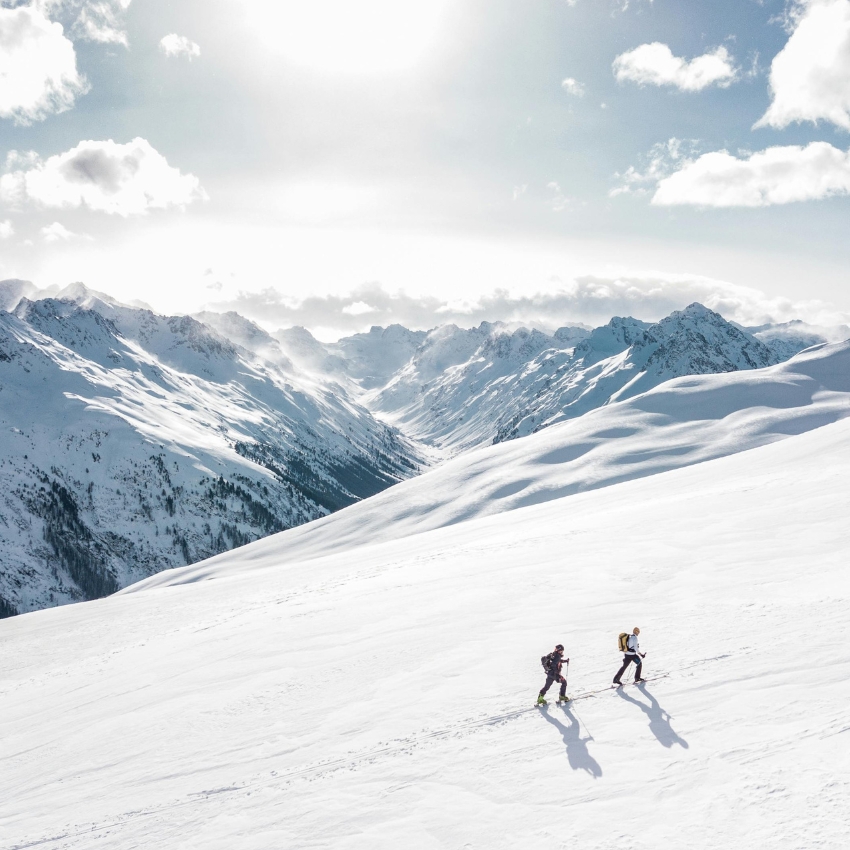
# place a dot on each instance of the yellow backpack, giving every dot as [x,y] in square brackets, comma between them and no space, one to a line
[623,641]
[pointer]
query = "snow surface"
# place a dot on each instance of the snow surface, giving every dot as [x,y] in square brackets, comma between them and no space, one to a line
[381,697]
[680,423]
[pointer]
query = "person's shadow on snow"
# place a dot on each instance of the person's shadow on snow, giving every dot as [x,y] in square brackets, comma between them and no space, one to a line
[659,719]
[577,754]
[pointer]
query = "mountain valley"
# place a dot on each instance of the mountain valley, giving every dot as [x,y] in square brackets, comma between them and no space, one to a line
[135,443]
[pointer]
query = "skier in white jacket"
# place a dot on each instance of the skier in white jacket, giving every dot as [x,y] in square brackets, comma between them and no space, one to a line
[632,654]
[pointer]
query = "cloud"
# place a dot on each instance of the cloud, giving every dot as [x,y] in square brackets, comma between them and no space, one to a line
[591,299]
[56,232]
[654,64]
[810,76]
[573,87]
[662,159]
[6,229]
[38,67]
[100,21]
[127,179]
[179,46]
[358,308]
[778,175]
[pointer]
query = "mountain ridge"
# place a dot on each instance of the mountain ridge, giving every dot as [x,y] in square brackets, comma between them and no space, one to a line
[135,442]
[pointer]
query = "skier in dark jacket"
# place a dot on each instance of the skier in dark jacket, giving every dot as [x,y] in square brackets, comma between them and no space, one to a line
[632,654]
[553,662]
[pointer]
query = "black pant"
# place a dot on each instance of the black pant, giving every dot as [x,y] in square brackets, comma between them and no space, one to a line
[550,679]
[627,659]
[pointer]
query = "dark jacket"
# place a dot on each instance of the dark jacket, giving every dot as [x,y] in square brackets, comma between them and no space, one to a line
[554,662]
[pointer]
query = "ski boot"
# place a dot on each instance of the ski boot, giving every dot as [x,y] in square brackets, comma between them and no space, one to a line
[563,699]
[541,700]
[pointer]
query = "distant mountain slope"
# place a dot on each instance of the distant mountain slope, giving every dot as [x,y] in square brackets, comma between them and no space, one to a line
[453,388]
[372,358]
[513,384]
[680,423]
[787,338]
[133,442]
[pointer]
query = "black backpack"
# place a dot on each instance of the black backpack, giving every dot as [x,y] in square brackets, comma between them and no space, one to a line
[549,661]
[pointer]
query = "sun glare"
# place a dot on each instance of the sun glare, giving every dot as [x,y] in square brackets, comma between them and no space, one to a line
[349,36]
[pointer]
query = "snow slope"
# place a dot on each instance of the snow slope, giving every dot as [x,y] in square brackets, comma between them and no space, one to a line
[680,423]
[381,697]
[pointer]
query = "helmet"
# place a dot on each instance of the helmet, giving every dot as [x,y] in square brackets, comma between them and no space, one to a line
[559,646]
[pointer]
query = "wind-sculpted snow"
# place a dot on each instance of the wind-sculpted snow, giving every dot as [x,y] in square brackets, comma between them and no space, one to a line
[680,423]
[383,697]
[133,442]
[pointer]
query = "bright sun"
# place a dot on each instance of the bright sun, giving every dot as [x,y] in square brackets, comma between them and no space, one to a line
[349,36]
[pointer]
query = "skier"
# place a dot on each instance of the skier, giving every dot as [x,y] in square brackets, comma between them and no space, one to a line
[632,653]
[552,664]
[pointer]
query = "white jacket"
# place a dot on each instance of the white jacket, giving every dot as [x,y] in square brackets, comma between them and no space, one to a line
[633,645]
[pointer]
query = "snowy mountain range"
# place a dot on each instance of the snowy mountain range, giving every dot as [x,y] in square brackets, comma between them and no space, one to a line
[462,389]
[133,443]
[682,422]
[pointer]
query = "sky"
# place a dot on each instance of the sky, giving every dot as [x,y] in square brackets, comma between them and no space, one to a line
[343,163]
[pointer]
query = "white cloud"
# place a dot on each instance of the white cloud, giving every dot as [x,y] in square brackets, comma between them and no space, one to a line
[6,229]
[810,76]
[357,308]
[662,159]
[778,175]
[592,299]
[90,20]
[127,179]
[178,45]
[654,64]
[573,87]
[56,232]
[38,66]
